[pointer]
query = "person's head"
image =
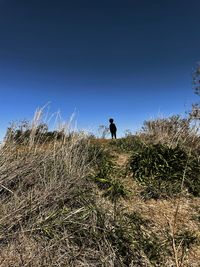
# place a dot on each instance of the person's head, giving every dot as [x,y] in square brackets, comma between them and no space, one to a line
[111,120]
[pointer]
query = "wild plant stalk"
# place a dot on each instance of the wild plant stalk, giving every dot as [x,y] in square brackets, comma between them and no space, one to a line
[173,226]
[172,131]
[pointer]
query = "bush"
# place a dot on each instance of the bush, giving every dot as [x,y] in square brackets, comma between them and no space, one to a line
[128,144]
[170,126]
[161,170]
[103,166]
[41,134]
[173,131]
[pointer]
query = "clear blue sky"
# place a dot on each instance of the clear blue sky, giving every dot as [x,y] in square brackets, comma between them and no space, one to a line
[129,60]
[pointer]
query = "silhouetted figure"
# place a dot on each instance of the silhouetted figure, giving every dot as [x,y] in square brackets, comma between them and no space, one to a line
[113,129]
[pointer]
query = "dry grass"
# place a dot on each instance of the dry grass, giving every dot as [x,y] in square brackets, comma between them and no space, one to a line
[48,206]
[172,131]
[39,184]
[161,215]
[52,213]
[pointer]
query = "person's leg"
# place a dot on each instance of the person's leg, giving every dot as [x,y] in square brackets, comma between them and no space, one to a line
[112,135]
[115,135]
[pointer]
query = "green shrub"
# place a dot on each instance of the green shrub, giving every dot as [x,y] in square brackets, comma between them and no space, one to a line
[103,166]
[128,144]
[161,170]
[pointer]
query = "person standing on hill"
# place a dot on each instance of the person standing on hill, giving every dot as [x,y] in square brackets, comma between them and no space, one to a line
[113,129]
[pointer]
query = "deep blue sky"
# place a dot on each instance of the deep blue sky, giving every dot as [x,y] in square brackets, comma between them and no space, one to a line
[130,60]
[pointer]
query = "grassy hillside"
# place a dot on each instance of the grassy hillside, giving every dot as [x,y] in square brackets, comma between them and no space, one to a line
[81,201]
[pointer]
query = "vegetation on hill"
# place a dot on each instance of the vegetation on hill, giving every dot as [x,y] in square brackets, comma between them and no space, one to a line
[69,199]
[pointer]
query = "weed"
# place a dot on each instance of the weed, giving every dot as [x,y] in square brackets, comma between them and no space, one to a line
[160,169]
